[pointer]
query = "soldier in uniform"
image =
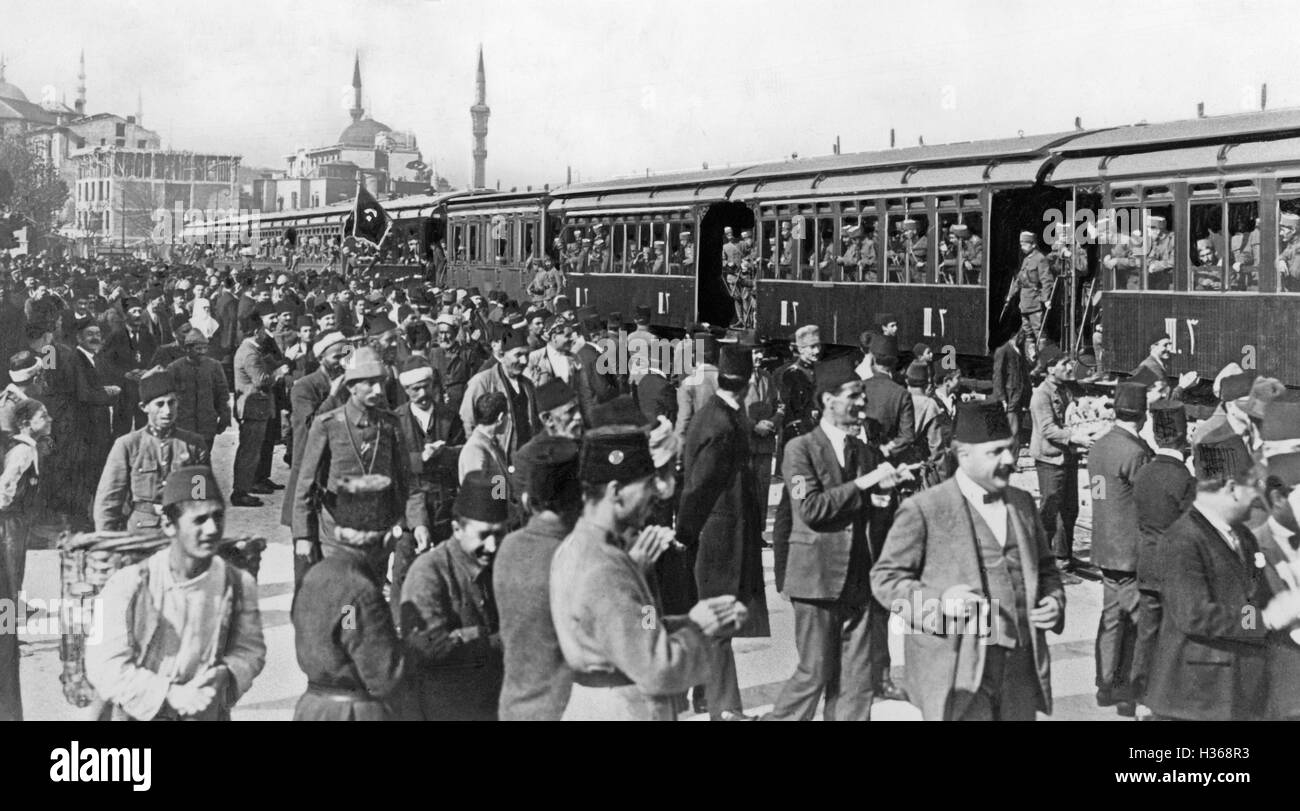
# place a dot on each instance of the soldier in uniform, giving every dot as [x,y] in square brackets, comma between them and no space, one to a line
[796,398]
[1033,283]
[357,438]
[625,666]
[449,617]
[456,362]
[1208,269]
[130,488]
[917,248]
[343,630]
[1055,449]
[1160,254]
[1288,258]
[850,257]
[1245,254]
[202,397]
[784,250]
[688,252]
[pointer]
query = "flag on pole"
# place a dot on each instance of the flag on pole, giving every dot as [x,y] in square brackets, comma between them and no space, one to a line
[368,221]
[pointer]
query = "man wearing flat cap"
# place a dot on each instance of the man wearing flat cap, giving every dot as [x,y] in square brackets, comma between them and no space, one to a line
[629,659]
[1114,461]
[1211,657]
[449,616]
[346,642]
[835,483]
[968,567]
[182,638]
[358,438]
[258,366]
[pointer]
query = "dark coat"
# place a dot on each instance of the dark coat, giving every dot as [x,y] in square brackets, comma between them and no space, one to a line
[1113,462]
[122,353]
[537,680]
[1162,491]
[203,398]
[225,310]
[442,592]
[89,432]
[433,483]
[1011,383]
[656,396]
[931,547]
[345,639]
[305,399]
[719,508]
[1284,651]
[1210,659]
[890,407]
[823,506]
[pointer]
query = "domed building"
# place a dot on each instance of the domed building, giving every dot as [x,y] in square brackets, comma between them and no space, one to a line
[17,113]
[388,161]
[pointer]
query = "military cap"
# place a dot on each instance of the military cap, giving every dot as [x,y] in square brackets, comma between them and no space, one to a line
[959,229]
[1028,238]
[618,456]
[1169,423]
[981,421]
[195,336]
[1130,400]
[364,364]
[1226,459]
[446,320]
[327,340]
[481,498]
[24,366]
[1289,219]
[552,394]
[1155,221]
[547,466]
[1281,421]
[191,483]
[909,224]
[830,375]
[364,503]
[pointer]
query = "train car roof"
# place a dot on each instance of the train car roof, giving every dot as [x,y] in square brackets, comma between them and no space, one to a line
[1253,126]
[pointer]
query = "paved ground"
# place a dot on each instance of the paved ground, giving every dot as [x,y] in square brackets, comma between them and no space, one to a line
[763,664]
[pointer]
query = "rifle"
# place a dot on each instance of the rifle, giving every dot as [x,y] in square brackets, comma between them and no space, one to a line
[1047,309]
[1010,295]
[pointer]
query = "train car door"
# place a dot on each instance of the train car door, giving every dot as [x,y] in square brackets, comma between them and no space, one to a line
[713,302]
[1016,210]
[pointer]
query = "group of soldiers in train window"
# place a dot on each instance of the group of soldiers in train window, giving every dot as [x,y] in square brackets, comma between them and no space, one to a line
[588,250]
[854,258]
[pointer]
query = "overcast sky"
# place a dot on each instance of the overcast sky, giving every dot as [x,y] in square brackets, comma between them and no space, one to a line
[613,88]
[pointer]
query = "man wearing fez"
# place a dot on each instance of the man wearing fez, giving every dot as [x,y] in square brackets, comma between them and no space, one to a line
[358,438]
[889,407]
[1160,350]
[448,612]
[1241,412]
[433,471]
[126,350]
[1162,491]
[343,631]
[839,487]
[131,485]
[537,681]
[508,378]
[1033,283]
[182,633]
[968,566]
[1279,540]
[202,397]
[1211,655]
[629,660]
[1113,465]
[718,517]
[257,368]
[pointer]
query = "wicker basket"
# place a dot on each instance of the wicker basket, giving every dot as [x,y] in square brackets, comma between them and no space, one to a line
[87,561]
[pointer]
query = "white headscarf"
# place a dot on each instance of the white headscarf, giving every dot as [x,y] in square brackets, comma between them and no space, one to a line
[201,319]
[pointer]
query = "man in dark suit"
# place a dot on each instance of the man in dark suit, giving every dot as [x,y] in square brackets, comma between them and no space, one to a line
[968,567]
[1113,464]
[836,483]
[1162,490]
[127,350]
[1156,363]
[90,436]
[1011,384]
[1211,657]
[889,406]
[717,516]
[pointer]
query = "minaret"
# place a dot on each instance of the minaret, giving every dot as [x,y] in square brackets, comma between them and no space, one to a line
[2,68]
[81,85]
[139,108]
[357,109]
[480,112]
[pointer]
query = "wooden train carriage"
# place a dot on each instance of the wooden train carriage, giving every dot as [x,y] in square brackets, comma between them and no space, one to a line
[655,241]
[1211,279]
[912,263]
[491,238]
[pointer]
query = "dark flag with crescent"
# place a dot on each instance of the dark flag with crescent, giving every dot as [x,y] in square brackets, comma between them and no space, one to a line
[368,221]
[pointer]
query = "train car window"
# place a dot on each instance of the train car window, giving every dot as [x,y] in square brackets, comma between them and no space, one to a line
[1243,246]
[826,251]
[458,242]
[1288,247]
[619,248]
[767,248]
[674,248]
[530,240]
[961,249]
[786,251]
[657,259]
[909,248]
[636,251]
[803,227]
[1205,235]
[1157,247]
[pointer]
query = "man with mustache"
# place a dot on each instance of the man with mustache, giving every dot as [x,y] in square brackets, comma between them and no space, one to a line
[131,487]
[968,566]
[448,614]
[507,377]
[89,433]
[182,633]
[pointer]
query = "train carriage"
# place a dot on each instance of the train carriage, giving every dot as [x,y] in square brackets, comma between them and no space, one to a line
[1210,276]
[491,237]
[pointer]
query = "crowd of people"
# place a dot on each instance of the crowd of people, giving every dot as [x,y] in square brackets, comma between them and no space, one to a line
[540,511]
